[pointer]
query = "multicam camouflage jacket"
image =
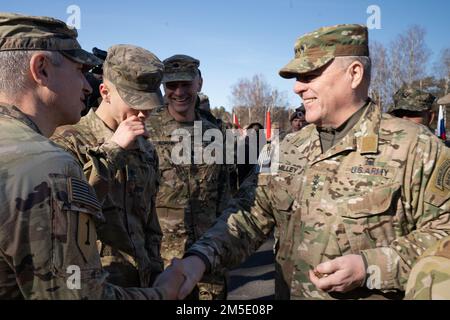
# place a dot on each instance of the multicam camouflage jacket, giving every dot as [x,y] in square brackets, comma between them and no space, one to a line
[126,182]
[191,195]
[47,238]
[382,191]
[430,276]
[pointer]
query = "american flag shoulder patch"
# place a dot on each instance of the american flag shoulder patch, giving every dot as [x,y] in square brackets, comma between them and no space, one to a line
[81,192]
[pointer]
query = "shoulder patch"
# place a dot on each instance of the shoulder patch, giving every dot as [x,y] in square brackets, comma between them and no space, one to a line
[438,189]
[81,192]
[86,236]
[442,180]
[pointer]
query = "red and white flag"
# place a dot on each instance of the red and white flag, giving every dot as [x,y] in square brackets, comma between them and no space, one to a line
[235,120]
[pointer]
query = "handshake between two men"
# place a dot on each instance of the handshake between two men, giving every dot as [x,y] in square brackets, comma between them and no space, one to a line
[180,278]
[339,275]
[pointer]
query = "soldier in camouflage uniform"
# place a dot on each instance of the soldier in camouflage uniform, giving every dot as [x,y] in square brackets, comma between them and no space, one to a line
[121,165]
[430,276]
[203,107]
[203,102]
[47,235]
[413,104]
[191,195]
[297,119]
[358,196]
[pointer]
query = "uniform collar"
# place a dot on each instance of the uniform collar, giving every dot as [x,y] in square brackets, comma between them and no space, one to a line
[98,128]
[363,137]
[14,113]
[331,136]
[167,117]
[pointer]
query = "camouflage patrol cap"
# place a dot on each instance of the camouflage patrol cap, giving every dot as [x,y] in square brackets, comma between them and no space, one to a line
[316,49]
[203,102]
[137,75]
[298,113]
[180,68]
[412,99]
[20,32]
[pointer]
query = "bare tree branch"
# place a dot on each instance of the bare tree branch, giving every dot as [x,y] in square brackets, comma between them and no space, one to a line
[252,97]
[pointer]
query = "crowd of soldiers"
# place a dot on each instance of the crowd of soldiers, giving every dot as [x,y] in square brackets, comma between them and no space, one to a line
[358,199]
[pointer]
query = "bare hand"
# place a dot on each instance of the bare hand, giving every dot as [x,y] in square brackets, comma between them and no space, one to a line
[170,281]
[128,131]
[193,270]
[190,268]
[339,275]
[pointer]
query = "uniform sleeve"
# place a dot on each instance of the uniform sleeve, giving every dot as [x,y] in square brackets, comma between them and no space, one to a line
[103,162]
[52,252]
[426,192]
[240,230]
[99,163]
[8,285]
[224,189]
[153,233]
[430,277]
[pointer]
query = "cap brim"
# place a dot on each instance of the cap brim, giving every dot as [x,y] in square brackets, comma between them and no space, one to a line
[141,100]
[83,57]
[179,76]
[391,108]
[301,65]
[415,108]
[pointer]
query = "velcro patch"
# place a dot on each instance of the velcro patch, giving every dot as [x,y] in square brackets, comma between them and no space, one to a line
[369,170]
[369,144]
[86,236]
[81,192]
[439,184]
[443,175]
[288,168]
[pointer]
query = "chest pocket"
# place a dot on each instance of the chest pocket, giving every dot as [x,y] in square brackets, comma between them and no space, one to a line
[283,203]
[370,219]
